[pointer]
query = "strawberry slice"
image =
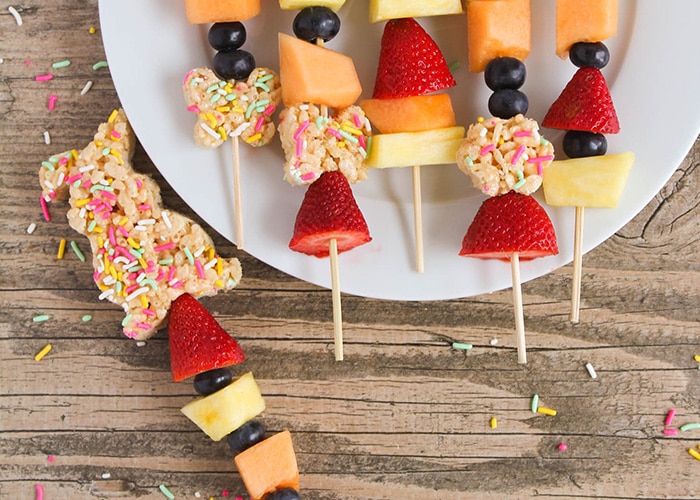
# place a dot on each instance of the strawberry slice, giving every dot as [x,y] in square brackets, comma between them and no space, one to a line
[197,341]
[329,210]
[584,104]
[510,223]
[410,62]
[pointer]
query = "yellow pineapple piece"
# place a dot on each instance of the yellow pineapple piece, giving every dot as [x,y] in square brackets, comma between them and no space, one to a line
[334,5]
[594,181]
[382,10]
[224,411]
[405,149]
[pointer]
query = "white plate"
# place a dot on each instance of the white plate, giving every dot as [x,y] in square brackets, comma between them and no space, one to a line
[150,46]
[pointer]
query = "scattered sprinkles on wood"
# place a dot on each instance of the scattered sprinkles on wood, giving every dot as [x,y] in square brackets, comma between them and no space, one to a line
[40,355]
[15,14]
[164,489]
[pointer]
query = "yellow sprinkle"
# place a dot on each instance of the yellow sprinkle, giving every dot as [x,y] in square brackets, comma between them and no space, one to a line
[212,120]
[144,301]
[219,283]
[694,453]
[100,242]
[40,355]
[82,202]
[493,423]
[547,411]
[697,358]
[238,109]
[61,248]
[123,221]
[210,253]
[107,262]
[98,144]
[480,119]
[500,141]
[143,263]
[219,266]
[113,116]
[74,153]
[90,215]
[222,132]
[97,229]
[103,288]
[341,144]
[223,109]
[253,138]
[133,243]
[92,30]
[349,128]
[119,275]
[112,271]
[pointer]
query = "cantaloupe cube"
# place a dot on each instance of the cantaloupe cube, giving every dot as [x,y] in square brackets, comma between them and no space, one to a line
[594,181]
[269,465]
[381,10]
[497,28]
[220,11]
[334,5]
[224,411]
[430,147]
[584,21]
[410,114]
[310,73]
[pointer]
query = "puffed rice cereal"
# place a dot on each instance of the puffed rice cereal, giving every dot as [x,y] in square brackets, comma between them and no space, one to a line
[144,256]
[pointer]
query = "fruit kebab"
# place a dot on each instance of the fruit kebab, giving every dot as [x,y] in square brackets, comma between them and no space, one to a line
[591,178]
[201,348]
[236,99]
[505,155]
[416,125]
[325,138]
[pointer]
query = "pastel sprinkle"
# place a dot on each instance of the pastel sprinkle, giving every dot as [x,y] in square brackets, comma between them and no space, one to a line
[547,411]
[86,318]
[200,270]
[670,432]
[493,422]
[591,371]
[691,426]
[461,346]
[61,64]
[51,458]
[86,88]
[39,488]
[697,358]
[61,249]
[43,78]
[522,133]
[669,416]
[562,447]
[18,20]
[45,209]
[99,65]
[53,98]
[188,254]
[40,318]
[47,138]
[40,355]
[166,492]
[534,403]
[106,475]
[31,228]
[487,149]
[77,251]
[518,153]
[694,453]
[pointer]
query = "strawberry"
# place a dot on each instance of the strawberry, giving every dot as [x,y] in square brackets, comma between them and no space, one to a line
[584,104]
[197,341]
[329,210]
[410,62]
[509,223]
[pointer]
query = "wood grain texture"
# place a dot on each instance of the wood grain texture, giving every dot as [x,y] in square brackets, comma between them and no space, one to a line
[404,416]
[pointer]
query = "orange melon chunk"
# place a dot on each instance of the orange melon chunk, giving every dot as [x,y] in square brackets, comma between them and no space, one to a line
[269,465]
[497,28]
[410,114]
[584,21]
[220,11]
[310,73]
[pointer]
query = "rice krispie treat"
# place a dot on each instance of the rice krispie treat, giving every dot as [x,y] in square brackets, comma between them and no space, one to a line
[144,256]
[232,109]
[314,144]
[505,155]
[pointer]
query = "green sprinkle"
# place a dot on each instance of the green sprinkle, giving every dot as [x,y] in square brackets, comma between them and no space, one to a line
[215,97]
[77,183]
[347,136]
[469,161]
[40,318]
[687,427]
[165,262]
[77,251]
[266,78]
[118,287]
[319,122]
[48,165]
[521,180]
[110,252]
[150,282]
[459,345]
[99,65]
[230,97]
[231,282]
[261,85]
[250,109]
[455,65]
[126,319]
[86,317]
[135,268]
[91,226]
[213,88]
[166,492]
[189,255]
[61,64]
[54,160]
[535,402]
[369,145]
[106,151]
[544,141]
[135,253]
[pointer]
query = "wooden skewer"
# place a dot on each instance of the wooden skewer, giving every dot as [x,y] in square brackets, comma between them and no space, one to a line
[418,218]
[578,263]
[238,203]
[337,309]
[518,307]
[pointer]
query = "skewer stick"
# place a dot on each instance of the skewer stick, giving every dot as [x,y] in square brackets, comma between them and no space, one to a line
[578,258]
[418,218]
[238,204]
[337,309]
[518,307]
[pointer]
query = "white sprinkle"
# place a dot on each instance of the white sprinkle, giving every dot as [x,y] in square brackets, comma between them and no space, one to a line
[106,475]
[47,198]
[136,293]
[368,125]
[244,98]
[87,87]
[536,135]
[82,213]
[483,132]
[47,137]
[166,219]
[16,15]
[104,182]
[591,370]
[197,494]
[31,228]
[173,281]
[49,185]
[86,168]
[210,131]
[198,252]
[239,130]
[493,341]
[304,107]
[140,277]
[109,280]
[121,259]
[106,294]
[140,228]
[2,60]
[146,222]
[61,177]
[210,264]
[363,153]
[140,344]
[222,92]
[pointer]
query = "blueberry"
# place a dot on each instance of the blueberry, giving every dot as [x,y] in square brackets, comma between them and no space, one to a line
[316,22]
[283,494]
[227,36]
[589,54]
[504,73]
[211,381]
[507,103]
[248,434]
[234,64]
[579,143]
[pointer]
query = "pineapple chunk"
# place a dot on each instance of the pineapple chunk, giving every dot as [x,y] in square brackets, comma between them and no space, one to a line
[334,5]
[594,181]
[224,411]
[405,149]
[382,10]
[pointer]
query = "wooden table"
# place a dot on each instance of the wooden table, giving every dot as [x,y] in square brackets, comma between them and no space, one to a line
[404,416]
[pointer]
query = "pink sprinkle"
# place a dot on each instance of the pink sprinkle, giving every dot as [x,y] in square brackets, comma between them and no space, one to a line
[669,416]
[148,312]
[269,110]
[72,178]
[225,493]
[132,276]
[161,274]
[563,447]
[259,123]
[518,153]
[177,284]
[52,195]
[27,63]
[308,176]
[487,149]
[193,109]
[334,133]
[301,130]
[139,184]
[144,207]
[51,458]
[300,147]
[163,248]
[131,288]
[39,492]
[96,276]
[45,209]
[143,326]
[670,432]
[486,187]
[131,334]
[63,161]
[150,266]
[112,238]
[124,252]
[200,269]
[522,133]
[356,119]
[123,231]
[44,78]
[540,170]
[53,98]
[187,77]
[363,142]
[108,194]
[171,273]
[115,134]
[539,159]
